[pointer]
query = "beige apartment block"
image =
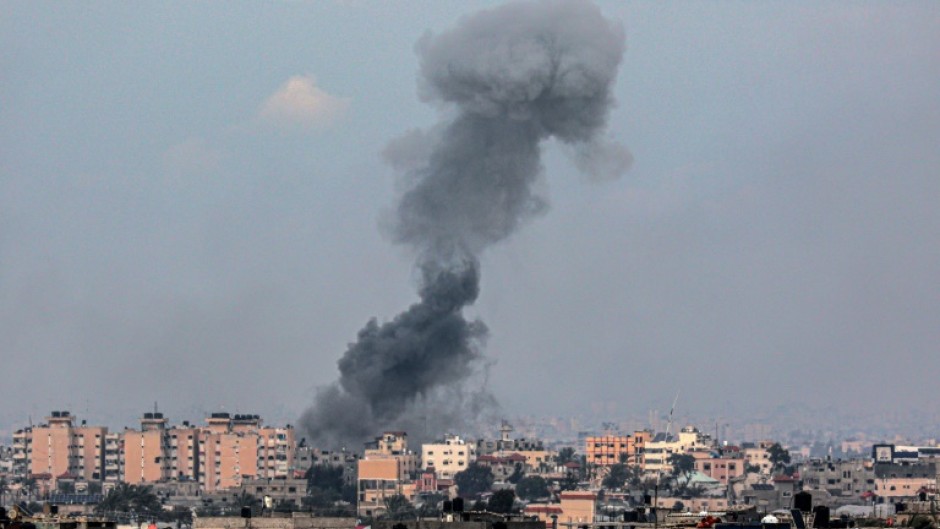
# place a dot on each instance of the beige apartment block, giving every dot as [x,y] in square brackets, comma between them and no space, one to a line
[387,469]
[276,451]
[59,449]
[759,457]
[657,451]
[606,450]
[184,452]
[145,452]
[448,456]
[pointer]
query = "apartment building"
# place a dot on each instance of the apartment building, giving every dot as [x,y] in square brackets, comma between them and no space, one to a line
[276,453]
[657,451]
[758,455]
[606,450]
[22,452]
[113,458]
[60,449]
[228,450]
[145,451]
[904,480]
[448,456]
[388,468]
[840,478]
[722,467]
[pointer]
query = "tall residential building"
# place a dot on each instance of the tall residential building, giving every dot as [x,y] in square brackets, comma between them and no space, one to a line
[113,457]
[59,449]
[22,452]
[184,452]
[145,451]
[221,455]
[276,451]
[235,448]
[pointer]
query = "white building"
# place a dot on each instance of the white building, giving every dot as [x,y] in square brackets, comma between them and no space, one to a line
[448,457]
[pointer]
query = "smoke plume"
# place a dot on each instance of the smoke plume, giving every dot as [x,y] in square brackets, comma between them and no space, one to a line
[514,76]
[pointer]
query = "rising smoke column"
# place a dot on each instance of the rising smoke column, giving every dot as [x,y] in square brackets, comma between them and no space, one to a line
[514,76]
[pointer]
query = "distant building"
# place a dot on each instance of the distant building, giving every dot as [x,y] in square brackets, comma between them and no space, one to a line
[722,468]
[844,480]
[506,444]
[657,451]
[448,456]
[904,481]
[573,507]
[757,455]
[606,450]
[890,453]
[58,449]
[387,469]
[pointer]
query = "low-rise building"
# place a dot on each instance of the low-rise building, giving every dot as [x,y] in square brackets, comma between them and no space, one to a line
[657,451]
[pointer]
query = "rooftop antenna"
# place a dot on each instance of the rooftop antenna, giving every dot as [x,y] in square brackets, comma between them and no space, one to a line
[659,474]
[671,410]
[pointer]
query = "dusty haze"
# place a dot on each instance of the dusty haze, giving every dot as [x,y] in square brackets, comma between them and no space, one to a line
[190,195]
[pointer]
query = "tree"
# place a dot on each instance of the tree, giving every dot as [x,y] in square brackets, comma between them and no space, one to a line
[678,506]
[683,465]
[570,482]
[325,477]
[517,474]
[616,477]
[430,505]
[532,488]
[321,498]
[565,455]
[244,499]
[398,507]
[475,480]
[131,498]
[502,501]
[778,455]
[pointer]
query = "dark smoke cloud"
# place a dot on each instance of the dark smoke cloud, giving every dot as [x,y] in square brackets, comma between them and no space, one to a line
[516,75]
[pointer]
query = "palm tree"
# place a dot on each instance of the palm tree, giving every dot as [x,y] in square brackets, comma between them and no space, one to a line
[131,498]
[29,486]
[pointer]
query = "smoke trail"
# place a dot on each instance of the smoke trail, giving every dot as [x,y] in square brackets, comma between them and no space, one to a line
[516,75]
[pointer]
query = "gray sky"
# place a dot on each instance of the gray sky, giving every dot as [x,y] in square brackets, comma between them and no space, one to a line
[192,199]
